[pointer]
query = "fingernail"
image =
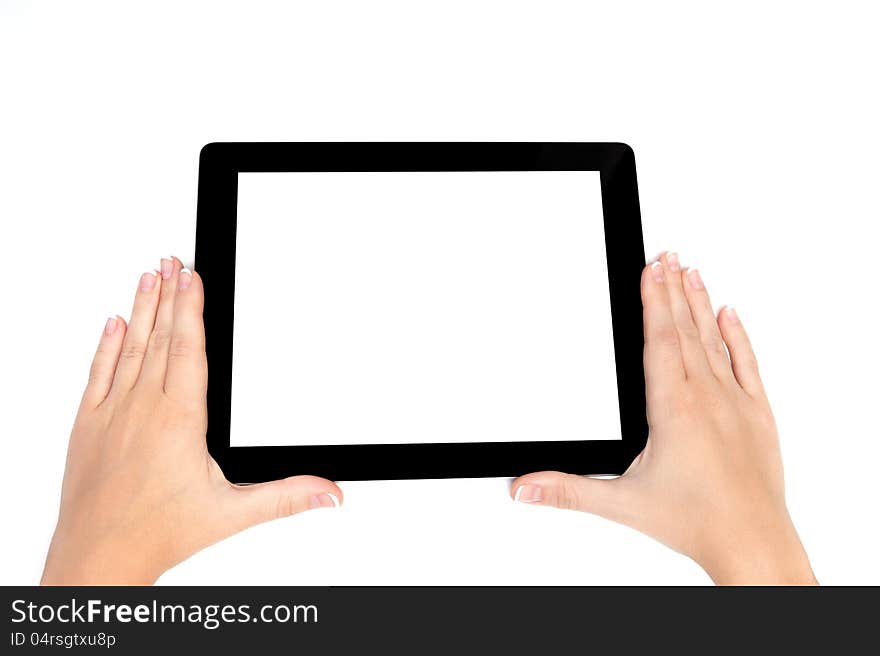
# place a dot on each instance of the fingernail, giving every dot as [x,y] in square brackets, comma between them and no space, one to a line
[166,266]
[527,494]
[672,261]
[148,281]
[732,316]
[694,279]
[657,271]
[325,500]
[185,279]
[110,327]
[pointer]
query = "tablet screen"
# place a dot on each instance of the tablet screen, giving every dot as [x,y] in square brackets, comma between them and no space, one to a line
[412,307]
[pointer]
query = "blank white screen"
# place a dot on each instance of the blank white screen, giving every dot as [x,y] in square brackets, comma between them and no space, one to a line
[380,308]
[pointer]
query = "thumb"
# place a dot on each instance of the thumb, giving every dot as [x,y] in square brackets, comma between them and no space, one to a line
[264,502]
[604,497]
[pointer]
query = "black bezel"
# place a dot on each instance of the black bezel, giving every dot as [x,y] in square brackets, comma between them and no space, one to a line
[219,165]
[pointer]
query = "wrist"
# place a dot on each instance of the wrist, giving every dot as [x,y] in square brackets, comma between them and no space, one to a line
[759,556]
[84,573]
[105,566]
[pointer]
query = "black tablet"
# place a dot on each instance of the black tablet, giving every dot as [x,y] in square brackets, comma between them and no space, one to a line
[421,310]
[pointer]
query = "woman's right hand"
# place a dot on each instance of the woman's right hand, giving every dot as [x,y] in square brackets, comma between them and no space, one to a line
[709,482]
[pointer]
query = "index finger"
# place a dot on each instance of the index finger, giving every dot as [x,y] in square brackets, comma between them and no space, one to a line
[186,377]
[664,366]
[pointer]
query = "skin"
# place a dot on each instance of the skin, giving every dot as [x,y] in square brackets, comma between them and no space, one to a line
[709,482]
[141,493]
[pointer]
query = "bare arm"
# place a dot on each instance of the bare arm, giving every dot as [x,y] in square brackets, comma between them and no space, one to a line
[709,483]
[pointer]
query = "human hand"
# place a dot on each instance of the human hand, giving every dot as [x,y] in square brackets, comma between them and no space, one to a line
[709,482]
[140,492]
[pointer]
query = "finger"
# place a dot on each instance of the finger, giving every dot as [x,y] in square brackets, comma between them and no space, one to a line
[692,354]
[134,346]
[156,357]
[664,369]
[704,318]
[104,364]
[187,375]
[264,502]
[745,364]
[609,498]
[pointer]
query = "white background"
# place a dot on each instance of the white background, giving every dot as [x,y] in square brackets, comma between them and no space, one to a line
[389,308]
[758,153]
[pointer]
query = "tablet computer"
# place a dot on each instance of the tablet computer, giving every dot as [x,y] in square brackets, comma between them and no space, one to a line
[421,310]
